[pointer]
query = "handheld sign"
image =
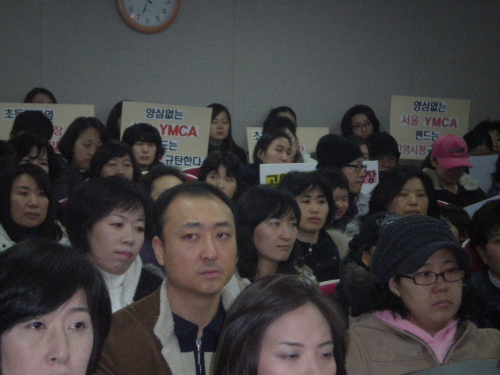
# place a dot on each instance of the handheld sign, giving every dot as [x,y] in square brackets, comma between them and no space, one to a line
[61,115]
[416,122]
[271,174]
[184,130]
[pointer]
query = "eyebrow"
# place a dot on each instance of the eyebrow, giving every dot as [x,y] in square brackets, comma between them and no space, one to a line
[199,225]
[125,218]
[298,344]
[79,309]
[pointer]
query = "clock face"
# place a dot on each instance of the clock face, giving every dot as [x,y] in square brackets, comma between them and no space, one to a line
[148,16]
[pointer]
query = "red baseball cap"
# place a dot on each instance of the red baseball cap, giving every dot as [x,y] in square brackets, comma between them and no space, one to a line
[451,151]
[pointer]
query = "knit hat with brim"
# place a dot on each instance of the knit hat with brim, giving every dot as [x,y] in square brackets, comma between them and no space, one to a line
[336,151]
[405,245]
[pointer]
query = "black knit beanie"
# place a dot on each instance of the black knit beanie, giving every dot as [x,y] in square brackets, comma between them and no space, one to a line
[405,245]
[336,151]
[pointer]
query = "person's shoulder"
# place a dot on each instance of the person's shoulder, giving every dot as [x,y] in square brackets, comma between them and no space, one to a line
[144,312]
[150,280]
[490,335]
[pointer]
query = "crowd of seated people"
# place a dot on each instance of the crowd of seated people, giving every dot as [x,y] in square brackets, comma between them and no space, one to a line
[226,276]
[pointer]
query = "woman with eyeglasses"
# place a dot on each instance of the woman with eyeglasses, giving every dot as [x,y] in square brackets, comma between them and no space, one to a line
[415,316]
[360,121]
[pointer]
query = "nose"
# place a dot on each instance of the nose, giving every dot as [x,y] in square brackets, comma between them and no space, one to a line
[312,367]
[92,150]
[440,285]
[58,347]
[33,202]
[314,207]
[286,233]
[220,184]
[209,249]
[129,236]
[412,199]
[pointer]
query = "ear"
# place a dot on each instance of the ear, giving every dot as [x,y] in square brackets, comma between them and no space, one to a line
[366,258]
[159,250]
[433,161]
[394,286]
[260,153]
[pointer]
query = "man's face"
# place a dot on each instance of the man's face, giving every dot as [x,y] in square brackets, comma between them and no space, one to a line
[199,247]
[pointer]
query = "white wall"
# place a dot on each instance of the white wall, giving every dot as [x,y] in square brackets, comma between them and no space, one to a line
[318,56]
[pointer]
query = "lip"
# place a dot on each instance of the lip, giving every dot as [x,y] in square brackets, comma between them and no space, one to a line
[314,219]
[32,215]
[444,303]
[211,272]
[284,247]
[125,254]
[413,212]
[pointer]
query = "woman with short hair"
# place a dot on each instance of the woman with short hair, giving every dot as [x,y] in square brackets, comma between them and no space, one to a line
[27,207]
[108,219]
[145,142]
[55,309]
[267,218]
[282,324]
[404,190]
[115,158]
[224,170]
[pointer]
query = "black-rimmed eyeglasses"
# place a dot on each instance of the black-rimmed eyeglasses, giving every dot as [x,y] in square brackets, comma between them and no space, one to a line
[357,168]
[427,278]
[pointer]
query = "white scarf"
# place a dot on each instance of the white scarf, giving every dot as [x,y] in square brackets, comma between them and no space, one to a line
[122,287]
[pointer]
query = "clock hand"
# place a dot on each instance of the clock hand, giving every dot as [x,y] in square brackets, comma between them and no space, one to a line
[145,6]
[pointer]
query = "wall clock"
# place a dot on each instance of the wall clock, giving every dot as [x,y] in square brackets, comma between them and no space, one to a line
[148,16]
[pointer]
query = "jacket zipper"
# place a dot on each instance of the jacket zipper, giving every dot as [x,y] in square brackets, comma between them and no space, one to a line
[198,353]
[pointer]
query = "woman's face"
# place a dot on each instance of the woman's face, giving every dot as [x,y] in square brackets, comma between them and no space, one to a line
[144,153]
[163,183]
[300,342]
[41,98]
[274,237]
[386,162]
[361,126]
[279,151]
[313,210]
[120,166]
[85,147]
[38,158]
[28,203]
[411,200]
[491,254]
[220,179]
[447,176]
[116,239]
[219,128]
[495,140]
[355,177]
[341,199]
[56,343]
[432,306]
